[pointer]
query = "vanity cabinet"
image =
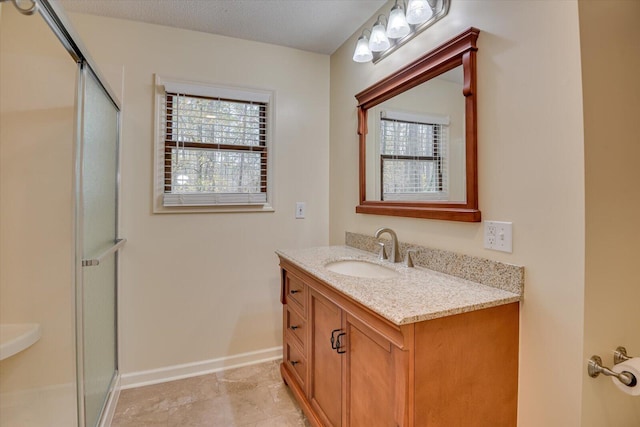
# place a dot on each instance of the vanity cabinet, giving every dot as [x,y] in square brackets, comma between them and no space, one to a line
[371,382]
[325,385]
[348,366]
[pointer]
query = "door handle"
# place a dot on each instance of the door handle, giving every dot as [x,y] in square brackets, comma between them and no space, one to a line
[98,259]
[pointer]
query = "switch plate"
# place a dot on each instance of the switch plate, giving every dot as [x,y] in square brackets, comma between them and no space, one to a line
[498,235]
[300,210]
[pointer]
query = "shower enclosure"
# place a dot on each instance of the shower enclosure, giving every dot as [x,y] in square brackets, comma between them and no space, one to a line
[59,245]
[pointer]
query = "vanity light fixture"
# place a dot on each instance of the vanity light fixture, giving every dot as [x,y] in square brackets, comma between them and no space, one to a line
[379,41]
[363,52]
[418,11]
[405,21]
[398,26]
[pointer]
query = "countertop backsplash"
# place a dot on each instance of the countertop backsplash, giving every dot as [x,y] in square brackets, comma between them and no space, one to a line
[499,275]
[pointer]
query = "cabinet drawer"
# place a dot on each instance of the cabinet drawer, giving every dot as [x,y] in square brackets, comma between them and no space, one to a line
[295,292]
[296,362]
[295,325]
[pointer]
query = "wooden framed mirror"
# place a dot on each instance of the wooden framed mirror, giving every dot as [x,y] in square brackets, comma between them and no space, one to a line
[418,137]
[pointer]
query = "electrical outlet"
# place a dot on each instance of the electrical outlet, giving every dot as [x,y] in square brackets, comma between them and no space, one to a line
[498,235]
[300,210]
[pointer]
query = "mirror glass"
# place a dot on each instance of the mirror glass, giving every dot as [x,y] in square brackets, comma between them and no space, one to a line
[415,144]
[418,137]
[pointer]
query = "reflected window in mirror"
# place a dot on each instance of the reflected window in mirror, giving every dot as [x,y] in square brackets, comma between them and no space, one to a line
[415,145]
[418,142]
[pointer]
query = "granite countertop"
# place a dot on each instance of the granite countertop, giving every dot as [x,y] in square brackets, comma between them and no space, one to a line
[414,295]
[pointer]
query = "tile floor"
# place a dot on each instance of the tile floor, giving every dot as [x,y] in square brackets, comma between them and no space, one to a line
[251,396]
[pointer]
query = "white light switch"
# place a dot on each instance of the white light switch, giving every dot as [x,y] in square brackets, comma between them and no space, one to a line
[498,235]
[300,210]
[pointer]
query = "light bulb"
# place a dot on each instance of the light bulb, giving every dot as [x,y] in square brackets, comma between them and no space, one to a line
[379,40]
[418,11]
[398,26]
[362,52]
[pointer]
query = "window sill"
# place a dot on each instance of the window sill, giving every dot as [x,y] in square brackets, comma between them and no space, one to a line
[159,209]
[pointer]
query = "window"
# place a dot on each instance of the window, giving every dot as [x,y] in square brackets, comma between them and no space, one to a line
[213,147]
[413,158]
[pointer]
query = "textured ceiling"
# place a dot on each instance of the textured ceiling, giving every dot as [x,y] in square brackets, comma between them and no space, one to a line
[314,25]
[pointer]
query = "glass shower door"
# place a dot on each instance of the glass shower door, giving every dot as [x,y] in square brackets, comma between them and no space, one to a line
[98,244]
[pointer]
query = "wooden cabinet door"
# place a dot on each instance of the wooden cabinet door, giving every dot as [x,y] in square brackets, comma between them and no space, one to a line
[325,392]
[370,377]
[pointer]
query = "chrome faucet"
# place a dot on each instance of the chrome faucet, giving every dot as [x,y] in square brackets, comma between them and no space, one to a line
[395,247]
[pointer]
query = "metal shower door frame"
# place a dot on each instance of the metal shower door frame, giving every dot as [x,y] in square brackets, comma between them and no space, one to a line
[56,19]
[85,72]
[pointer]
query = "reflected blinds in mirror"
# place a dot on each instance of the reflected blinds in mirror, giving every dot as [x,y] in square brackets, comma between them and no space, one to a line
[413,157]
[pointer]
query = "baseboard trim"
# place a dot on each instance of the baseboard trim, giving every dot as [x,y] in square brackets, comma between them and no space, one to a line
[177,372]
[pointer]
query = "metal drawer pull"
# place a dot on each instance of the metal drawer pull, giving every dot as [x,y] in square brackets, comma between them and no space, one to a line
[294,362]
[339,344]
[333,339]
[294,327]
[294,291]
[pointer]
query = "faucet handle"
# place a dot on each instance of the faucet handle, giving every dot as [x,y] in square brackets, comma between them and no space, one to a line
[408,262]
[383,254]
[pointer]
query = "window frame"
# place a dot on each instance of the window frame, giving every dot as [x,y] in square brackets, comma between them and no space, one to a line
[199,202]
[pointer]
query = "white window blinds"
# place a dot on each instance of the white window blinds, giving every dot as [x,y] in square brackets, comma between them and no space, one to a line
[413,156]
[215,146]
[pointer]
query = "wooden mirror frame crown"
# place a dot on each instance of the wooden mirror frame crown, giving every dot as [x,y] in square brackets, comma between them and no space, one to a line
[461,50]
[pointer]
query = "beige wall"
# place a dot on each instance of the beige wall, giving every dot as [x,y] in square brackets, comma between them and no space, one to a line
[610,39]
[37,84]
[531,172]
[197,287]
[201,286]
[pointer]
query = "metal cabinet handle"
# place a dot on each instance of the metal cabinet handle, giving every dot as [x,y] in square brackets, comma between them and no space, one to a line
[339,346]
[293,327]
[294,362]
[294,291]
[333,339]
[336,342]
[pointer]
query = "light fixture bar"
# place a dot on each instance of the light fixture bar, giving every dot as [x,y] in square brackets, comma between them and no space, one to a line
[440,9]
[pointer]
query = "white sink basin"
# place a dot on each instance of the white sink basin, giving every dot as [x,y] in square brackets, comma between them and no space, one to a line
[360,268]
[15,337]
